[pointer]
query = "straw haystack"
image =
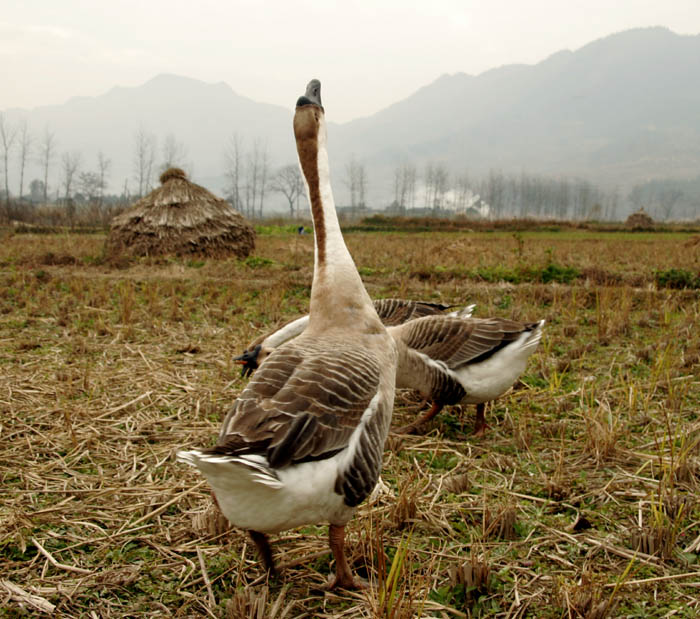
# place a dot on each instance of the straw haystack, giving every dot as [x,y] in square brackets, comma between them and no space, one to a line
[640,220]
[181,218]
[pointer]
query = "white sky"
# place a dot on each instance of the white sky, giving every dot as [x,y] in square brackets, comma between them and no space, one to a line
[367,54]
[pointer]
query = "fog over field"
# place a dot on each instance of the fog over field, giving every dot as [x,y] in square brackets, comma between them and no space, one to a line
[619,112]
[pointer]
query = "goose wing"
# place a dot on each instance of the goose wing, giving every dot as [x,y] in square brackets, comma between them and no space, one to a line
[398,311]
[456,341]
[304,403]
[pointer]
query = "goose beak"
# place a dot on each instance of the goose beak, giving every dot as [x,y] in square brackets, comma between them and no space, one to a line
[249,361]
[312,95]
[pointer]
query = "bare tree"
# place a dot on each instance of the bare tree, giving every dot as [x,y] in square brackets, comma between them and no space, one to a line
[25,146]
[70,162]
[429,185]
[667,198]
[362,185]
[404,186]
[288,182]
[69,167]
[36,190]
[256,176]
[103,166]
[144,159]
[397,189]
[251,181]
[46,154]
[442,185]
[493,190]
[463,192]
[356,181]
[174,153]
[89,185]
[232,161]
[351,181]
[8,134]
[563,196]
[411,176]
[264,172]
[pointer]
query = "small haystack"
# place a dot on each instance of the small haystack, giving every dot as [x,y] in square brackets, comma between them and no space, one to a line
[640,220]
[181,218]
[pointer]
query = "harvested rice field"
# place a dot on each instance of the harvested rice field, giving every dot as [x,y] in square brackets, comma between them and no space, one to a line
[580,501]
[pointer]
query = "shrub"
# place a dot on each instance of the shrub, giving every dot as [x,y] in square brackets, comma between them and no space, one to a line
[677,278]
[555,273]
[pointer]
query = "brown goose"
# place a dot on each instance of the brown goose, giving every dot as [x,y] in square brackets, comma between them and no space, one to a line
[390,311]
[462,360]
[303,443]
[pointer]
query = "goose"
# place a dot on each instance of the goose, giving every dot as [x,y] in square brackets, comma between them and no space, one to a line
[390,311]
[450,358]
[468,360]
[303,442]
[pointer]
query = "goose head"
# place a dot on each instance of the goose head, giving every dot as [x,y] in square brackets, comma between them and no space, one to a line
[309,124]
[251,359]
[312,95]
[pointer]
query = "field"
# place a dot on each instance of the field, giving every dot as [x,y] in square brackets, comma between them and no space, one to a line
[580,501]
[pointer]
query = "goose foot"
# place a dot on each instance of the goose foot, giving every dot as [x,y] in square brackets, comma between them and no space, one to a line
[412,428]
[265,551]
[351,584]
[343,575]
[480,431]
[480,424]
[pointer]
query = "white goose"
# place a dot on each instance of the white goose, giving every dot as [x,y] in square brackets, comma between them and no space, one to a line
[469,360]
[450,358]
[303,443]
[390,311]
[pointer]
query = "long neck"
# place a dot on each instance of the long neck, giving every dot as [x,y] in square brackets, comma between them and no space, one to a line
[414,370]
[332,255]
[338,296]
[286,333]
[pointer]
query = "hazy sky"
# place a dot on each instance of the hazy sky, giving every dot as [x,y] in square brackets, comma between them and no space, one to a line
[367,54]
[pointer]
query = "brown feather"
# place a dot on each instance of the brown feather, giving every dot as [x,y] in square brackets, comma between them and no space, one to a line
[457,341]
[303,402]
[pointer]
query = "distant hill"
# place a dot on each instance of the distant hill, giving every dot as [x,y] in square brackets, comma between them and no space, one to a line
[619,111]
[616,111]
[202,116]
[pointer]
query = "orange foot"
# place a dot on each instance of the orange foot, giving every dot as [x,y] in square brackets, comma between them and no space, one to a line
[349,582]
[480,430]
[411,428]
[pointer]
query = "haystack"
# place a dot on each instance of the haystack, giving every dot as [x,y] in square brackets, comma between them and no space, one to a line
[640,220]
[181,218]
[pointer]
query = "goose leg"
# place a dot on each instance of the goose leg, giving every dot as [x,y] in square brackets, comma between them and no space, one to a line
[343,574]
[480,424]
[264,550]
[412,428]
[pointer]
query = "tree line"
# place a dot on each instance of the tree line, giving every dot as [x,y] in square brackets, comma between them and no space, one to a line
[81,189]
[250,178]
[438,191]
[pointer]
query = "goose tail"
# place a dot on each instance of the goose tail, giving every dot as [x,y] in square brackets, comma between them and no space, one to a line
[212,465]
[465,312]
[534,337]
[192,457]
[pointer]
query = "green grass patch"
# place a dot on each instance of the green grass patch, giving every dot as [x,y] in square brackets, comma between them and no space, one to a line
[677,279]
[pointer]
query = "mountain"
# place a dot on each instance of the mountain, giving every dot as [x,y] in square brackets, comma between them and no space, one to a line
[202,116]
[618,111]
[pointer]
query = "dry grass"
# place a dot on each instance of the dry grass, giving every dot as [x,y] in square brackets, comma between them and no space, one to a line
[580,501]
